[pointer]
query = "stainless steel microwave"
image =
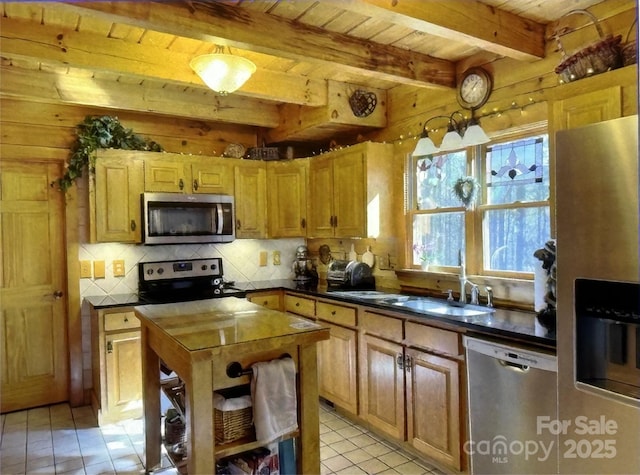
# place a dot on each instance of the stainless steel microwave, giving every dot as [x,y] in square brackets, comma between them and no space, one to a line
[176,218]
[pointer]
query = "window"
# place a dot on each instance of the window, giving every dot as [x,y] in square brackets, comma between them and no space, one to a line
[508,222]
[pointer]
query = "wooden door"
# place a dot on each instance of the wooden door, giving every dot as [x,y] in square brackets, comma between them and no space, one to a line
[123,363]
[251,200]
[320,198]
[349,195]
[433,407]
[115,202]
[287,199]
[337,380]
[33,332]
[587,108]
[382,385]
[212,175]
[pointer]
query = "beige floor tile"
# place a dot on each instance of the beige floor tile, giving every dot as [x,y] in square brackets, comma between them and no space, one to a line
[351,471]
[393,459]
[377,449]
[363,440]
[337,424]
[411,468]
[331,437]
[373,465]
[357,456]
[337,463]
[350,432]
[327,452]
[343,446]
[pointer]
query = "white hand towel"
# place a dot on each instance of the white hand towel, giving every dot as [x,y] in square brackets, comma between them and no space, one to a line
[273,391]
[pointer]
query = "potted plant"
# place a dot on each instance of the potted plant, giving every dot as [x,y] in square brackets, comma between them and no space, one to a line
[99,132]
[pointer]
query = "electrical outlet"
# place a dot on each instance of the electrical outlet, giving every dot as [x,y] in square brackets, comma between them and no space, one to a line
[98,270]
[85,270]
[263,258]
[118,268]
[276,258]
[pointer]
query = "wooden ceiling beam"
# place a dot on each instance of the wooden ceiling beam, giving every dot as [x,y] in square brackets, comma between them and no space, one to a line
[58,87]
[219,23]
[478,24]
[51,44]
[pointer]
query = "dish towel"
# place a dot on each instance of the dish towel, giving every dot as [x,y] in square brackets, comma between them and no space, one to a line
[273,391]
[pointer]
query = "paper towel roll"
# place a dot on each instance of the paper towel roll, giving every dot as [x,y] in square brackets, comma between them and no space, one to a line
[539,287]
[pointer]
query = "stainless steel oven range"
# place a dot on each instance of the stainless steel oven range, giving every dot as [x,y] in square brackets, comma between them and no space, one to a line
[183,280]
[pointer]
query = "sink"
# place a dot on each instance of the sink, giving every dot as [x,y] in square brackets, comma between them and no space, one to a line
[435,307]
[367,294]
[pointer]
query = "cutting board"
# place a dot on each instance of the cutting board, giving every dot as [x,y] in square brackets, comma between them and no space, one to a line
[368,257]
[353,255]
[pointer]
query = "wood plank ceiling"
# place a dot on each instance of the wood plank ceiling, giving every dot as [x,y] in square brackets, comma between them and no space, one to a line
[135,55]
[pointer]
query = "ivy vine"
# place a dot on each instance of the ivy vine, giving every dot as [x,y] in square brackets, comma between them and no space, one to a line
[96,132]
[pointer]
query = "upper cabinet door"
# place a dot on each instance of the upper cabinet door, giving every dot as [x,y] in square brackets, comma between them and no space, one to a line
[320,205]
[167,175]
[116,210]
[349,195]
[251,199]
[588,108]
[212,175]
[287,198]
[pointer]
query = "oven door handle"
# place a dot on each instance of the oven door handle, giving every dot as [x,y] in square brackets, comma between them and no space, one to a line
[220,218]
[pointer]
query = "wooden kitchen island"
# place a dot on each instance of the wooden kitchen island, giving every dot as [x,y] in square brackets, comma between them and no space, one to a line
[198,340]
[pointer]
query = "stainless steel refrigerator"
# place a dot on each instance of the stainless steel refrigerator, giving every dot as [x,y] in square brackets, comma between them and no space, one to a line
[598,335]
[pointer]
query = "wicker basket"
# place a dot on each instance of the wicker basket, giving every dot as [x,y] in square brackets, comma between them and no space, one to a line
[263,153]
[630,48]
[232,425]
[596,58]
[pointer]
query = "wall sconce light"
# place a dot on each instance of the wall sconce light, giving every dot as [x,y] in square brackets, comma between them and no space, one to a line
[223,73]
[460,133]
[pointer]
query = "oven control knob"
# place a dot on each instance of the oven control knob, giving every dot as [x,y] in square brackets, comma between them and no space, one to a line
[160,271]
[204,267]
[213,267]
[149,271]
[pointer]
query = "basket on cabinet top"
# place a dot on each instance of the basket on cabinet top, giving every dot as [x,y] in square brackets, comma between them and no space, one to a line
[598,57]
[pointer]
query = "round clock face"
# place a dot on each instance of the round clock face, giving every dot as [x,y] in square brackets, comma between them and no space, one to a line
[475,88]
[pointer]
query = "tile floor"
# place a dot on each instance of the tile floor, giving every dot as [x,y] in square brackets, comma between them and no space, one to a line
[58,439]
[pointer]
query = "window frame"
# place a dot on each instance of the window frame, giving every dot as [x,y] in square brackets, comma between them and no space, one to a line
[474,216]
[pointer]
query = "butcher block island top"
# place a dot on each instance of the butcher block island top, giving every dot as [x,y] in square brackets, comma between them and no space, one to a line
[199,340]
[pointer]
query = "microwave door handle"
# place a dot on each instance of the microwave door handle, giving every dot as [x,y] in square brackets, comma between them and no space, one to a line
[220,218]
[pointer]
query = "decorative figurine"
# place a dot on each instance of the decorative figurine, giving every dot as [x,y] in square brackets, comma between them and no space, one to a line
[303,267]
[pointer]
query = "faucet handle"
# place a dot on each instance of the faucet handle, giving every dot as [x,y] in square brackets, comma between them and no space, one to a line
[489,296]
[475,294]
[450,295]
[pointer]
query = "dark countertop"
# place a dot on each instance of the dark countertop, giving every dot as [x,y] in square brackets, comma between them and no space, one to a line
[516,325]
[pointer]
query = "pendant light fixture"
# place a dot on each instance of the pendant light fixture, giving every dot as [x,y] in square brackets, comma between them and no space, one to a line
[460,134]
[223,73]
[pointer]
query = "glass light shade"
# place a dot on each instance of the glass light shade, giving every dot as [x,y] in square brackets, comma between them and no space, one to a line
[474,135]
[451,141]
[425,146]
[224,73]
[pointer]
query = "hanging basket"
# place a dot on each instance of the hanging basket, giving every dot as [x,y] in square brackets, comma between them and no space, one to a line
[596,58]
[630,48]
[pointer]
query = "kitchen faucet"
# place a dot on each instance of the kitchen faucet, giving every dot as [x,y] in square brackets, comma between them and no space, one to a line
[475,292]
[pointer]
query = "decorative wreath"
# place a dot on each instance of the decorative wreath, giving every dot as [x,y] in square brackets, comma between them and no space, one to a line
[466,190]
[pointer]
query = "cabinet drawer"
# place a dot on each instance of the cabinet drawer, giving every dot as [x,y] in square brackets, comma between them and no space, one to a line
[442,341]
[271,301]
[336,314]
[383,326]
[120,321]
[300,305]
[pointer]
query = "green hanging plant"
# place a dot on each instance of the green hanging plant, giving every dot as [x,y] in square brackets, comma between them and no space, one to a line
[99,132]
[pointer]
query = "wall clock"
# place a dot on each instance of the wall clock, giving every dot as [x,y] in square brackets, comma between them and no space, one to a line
[474,88]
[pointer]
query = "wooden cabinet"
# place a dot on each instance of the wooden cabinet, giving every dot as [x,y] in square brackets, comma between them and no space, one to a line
[116,365]
[298,305]
[268,299]
[337,356]
[287,198]
[250,178]
[421,378]
[175,173]
[341,186]
[435,392]
[114,198]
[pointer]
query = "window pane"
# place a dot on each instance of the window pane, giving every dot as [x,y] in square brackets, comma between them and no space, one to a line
[513,236]
[436,176]
[440,236]
[518,171]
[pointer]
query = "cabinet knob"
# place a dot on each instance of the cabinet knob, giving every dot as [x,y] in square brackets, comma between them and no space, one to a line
[333,313]
[109,347]
[238,224]
[133,225]
[400,361]
[335,221]
[195,184]
[58,294]
[297,304]
[303,223]
[181,184]
[408,362]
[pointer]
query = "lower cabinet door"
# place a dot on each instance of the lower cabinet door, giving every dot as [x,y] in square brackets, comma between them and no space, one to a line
[433,406]
[337,368]
[382,385]
[124,375]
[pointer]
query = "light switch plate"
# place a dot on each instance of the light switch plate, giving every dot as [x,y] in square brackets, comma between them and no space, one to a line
[276,258]
[118,268]
[85,270]
[98,269]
